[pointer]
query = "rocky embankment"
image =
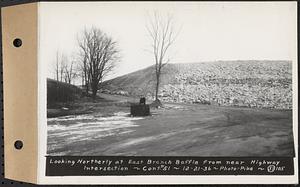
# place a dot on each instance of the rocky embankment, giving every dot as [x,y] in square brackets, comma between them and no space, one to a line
[261,84]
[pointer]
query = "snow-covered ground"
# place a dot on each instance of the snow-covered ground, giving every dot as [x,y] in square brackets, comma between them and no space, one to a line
[88,127]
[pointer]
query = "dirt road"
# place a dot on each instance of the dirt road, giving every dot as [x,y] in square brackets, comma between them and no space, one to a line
[175,130]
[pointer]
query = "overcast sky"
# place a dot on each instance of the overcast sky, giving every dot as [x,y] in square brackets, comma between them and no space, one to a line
[209,31]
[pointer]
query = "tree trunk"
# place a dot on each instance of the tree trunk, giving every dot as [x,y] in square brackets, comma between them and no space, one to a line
[87,82]
[94,93]
[87,88]
[82,80]
[94,88]
[157,85]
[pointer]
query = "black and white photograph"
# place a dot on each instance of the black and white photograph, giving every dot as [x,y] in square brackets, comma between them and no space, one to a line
[200,79]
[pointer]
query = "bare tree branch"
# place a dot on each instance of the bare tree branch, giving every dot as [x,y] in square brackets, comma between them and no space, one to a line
[99,52]
[162,37]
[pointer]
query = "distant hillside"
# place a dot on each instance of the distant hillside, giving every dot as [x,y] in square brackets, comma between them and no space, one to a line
[265,84]
[61,92]
[140,82]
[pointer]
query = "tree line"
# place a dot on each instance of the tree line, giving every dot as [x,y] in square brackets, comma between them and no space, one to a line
[97,56]
[99,52]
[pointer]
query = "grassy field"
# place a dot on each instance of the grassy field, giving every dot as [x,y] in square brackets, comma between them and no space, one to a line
[105,127]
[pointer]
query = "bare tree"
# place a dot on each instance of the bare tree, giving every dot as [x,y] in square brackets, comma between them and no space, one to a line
[60,62]
[162,37]
[99,53]
[57,66]
[69,72]
[64,69]
[83,68]
[63,66]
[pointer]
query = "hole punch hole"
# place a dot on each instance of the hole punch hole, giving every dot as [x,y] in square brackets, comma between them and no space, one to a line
[17,42]
[18,144]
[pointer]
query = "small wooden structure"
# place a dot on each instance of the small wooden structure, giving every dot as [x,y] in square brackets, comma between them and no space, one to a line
[141,109]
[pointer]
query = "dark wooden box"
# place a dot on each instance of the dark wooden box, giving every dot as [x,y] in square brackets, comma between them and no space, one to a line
[139,110]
